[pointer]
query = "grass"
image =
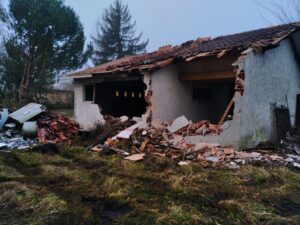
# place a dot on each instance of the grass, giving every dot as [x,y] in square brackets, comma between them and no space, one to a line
[78,187]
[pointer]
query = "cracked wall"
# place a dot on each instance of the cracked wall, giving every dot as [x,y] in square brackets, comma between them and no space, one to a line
[271,78]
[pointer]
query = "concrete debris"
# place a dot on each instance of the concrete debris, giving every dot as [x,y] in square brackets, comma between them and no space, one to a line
[35,125]
[167,140]
[204,127]
[137,119]
[27,112]
[123,119]
[297,165]
[135,157]
[212,159]
[126,134]
[178,124]
[183,163]
[233,165]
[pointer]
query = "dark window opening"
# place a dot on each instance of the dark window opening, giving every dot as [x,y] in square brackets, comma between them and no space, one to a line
[119,98]
[89,92]
[212,100]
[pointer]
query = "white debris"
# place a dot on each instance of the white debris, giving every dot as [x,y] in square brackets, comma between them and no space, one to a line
[290,160]
[137,119]
[297,165]
[135,157]
[241,161]
[124,119]
[126,134]
[183,163]
[212,159]
[3,145]
[233,165]
[178,124]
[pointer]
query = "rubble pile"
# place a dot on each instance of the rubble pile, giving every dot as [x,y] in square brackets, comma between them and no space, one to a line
[204,127]
[13,139]
[167,140]
[32,124]
[54,128]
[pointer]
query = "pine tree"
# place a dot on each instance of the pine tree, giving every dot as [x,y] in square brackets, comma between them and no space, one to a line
[116,35]
[47,38]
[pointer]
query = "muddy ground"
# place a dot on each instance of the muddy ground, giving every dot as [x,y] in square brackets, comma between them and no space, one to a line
[68,185]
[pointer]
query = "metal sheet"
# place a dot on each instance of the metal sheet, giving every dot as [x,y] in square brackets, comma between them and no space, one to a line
[27,112]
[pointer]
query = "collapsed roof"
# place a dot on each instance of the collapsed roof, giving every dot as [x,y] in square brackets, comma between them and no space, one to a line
[201,47]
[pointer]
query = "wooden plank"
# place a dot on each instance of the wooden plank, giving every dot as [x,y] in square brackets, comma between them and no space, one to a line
[226,112]
[216,75]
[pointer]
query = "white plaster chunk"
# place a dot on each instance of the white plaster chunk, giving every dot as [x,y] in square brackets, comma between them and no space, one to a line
[212,159]
[135,157]
[297,165]
[178,124]
[137,119]
[124,119]
[233,165]
[126,134]
[183,163]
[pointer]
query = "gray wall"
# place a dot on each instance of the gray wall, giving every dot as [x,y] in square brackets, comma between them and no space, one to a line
[269,77]
[173,98]
[87,114]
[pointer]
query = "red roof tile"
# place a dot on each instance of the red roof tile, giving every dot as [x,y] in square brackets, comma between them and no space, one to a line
[266,37]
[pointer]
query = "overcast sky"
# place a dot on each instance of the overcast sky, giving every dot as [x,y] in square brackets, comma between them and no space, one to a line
[175,21]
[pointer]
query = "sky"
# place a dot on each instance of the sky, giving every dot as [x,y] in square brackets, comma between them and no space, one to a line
[173,22]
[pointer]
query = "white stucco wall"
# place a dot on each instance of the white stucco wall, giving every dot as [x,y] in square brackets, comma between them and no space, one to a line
[87,114]
[269,78]
[172,98]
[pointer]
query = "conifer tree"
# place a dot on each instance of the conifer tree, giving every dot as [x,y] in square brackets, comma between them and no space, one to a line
[116,35]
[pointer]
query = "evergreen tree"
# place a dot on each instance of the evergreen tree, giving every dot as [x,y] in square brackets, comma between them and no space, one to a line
[116,35]
[47,38]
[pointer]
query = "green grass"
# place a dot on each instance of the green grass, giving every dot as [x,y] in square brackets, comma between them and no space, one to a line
[78,187]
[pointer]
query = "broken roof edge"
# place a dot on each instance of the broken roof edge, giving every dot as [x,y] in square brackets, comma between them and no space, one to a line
[265,38]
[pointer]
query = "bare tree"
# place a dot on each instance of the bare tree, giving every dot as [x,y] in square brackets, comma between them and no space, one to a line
[285,11]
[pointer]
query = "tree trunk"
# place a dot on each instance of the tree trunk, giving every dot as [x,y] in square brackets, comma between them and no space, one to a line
[26,82]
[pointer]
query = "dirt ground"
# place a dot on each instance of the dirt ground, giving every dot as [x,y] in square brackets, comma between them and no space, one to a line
[69,185]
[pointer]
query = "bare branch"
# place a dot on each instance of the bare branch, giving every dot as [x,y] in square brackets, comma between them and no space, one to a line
[284,11]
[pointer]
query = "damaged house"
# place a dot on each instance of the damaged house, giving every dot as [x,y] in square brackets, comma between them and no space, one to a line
[235,81]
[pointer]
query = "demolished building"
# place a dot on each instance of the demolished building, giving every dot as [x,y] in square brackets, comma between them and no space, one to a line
[238,78]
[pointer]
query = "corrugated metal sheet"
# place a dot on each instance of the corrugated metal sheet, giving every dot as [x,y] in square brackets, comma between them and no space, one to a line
[27,112]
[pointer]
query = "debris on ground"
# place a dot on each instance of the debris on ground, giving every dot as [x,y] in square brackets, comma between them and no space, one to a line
[135,157]
[33,124]
[167,140]
[27,112]
[54,128]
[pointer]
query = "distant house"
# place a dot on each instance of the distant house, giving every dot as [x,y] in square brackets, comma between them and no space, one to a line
[252,71]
